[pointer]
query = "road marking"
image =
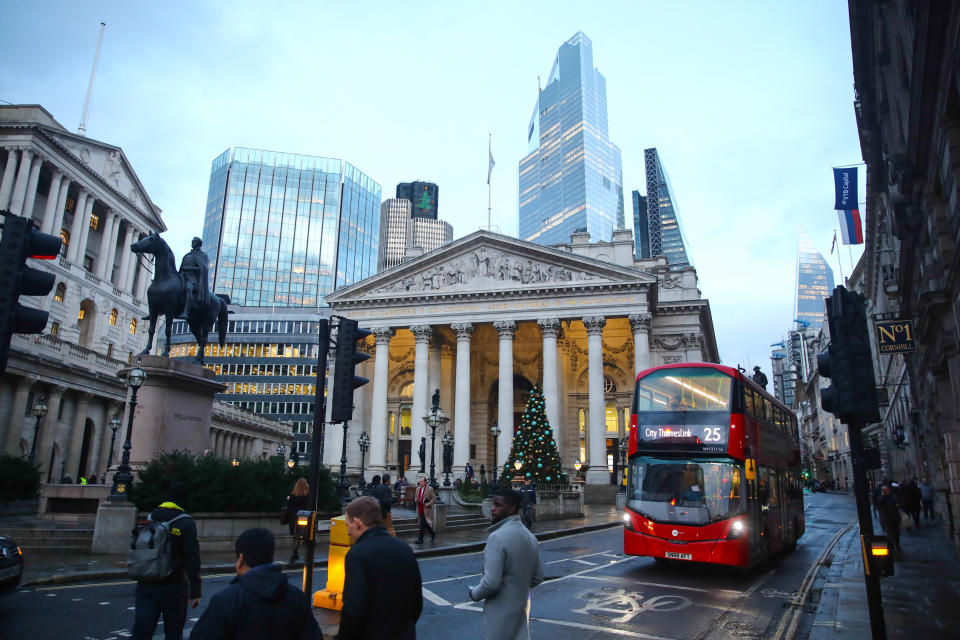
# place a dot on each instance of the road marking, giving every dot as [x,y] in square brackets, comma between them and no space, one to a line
[727,592]
[434,598]
[756,585]
[84,585]
[51,595]
[627,604]
[577,574]
[103,603]
[586,555]
[605,630]
[472,575]
[76,599]
[469,605]
[586,562]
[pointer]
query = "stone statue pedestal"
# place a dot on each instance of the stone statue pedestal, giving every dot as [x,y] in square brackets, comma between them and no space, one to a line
[111,532]
[173,409]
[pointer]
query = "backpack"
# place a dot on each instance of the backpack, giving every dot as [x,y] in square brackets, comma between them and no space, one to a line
[150,557]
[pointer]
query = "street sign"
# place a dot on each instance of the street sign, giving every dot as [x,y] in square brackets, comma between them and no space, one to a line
[895,336]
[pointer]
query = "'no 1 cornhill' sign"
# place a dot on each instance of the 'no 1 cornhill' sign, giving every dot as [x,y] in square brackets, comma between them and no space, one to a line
[895,336]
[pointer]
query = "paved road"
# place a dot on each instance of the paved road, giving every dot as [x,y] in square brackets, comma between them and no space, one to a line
[592,591]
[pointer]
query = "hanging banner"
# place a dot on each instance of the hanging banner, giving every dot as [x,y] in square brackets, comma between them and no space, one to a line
[895,336]
[851,227]
[845,184]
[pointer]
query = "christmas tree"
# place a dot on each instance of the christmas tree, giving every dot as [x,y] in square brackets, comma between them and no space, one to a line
[534,446]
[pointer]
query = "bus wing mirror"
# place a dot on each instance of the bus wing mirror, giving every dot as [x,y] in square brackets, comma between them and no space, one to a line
[750,469]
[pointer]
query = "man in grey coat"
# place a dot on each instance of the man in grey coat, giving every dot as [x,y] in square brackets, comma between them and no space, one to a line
[511,568]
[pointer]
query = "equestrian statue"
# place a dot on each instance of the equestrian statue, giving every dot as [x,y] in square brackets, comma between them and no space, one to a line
[183,294]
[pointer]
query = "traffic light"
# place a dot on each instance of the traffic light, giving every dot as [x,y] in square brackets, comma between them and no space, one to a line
[344,379]
[848,361]
[21,241]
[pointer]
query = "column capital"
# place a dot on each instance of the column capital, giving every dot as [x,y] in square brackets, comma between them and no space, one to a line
[463,330]
[640,322]
[421,332]
[551,327]
[506,328]
[594,325]
[382,335]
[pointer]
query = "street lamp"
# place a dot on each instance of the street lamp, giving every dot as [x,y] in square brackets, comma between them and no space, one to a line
[495,432]
[623,461]
[114,425]
[294,459]
[447,457]
[436,418]
[123,478]
[578,466]
[281,449]
[364,443]
[39,410]
[235,462]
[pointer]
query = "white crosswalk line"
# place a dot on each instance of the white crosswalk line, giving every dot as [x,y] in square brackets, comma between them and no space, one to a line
[434,598]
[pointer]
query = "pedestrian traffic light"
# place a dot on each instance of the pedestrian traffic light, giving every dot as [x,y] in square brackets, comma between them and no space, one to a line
[848,361]
[21,241]
[344,378]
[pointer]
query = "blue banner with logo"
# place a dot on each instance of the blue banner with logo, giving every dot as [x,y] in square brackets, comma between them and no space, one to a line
[845,183]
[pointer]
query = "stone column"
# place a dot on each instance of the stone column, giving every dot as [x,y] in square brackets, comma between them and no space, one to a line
[640,324]
[550,328]
[76,435]
[143,281]
[332,435]
[125,261]
[461,405]
[76,228]
[506,329]
[53,194]
[378,412]
[421,394]
[596,424]
[85,233]
[127,284]
[112,244]
[16,419]
[105,257]
[57,223]
[20,186]
[31,194]
[6,184]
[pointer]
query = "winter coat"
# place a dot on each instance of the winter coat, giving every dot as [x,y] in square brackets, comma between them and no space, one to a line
[888,510]
[511,568]
[382,592]
[261,604]
[185,548]
[429,497]
[294,504]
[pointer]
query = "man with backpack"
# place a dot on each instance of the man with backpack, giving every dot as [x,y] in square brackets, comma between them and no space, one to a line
[164,559]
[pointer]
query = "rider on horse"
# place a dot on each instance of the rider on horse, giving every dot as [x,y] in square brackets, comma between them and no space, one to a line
[195,271]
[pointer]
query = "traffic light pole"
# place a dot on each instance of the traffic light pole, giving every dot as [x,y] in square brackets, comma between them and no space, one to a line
[316,445]
[874,599]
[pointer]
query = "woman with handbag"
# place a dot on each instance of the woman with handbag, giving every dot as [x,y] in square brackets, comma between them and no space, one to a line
[297,501]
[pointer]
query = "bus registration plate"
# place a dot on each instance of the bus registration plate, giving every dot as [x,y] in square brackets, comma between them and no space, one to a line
[673,555]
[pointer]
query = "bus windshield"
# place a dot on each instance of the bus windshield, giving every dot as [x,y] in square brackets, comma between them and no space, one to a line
[685,491]
[684,389]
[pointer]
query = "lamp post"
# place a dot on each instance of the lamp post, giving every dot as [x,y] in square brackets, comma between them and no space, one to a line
[447,454]
[495,432]
[114,425]
[281,450]
[623,462]
[436,418]
[577,465]
[123,477]
[342,483]
[39,410]
[364,443]
[235,463]
[294,459]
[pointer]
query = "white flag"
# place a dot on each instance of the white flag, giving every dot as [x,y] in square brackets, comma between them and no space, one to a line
[490,169]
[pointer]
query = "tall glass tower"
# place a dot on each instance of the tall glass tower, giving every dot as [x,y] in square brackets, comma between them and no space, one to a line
[571,178]
[814,284]
[665,235]
[284,230]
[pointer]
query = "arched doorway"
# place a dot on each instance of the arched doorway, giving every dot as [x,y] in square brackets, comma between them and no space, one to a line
[86,320]
[85,449]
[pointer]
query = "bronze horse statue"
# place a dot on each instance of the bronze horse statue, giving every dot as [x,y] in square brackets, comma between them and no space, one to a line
[166,296]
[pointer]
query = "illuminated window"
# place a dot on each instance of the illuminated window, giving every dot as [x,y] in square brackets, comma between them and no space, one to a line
[94,221]
[405,421]
[113,317]
[54,328]
[65,237]
[133,326]
[81,314]
[610,417]
[61,292]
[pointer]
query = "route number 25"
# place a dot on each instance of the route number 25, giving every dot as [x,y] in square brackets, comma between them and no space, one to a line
[712,434]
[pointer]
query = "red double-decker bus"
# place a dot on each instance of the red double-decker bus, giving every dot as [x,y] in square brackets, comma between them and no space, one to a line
[714,468]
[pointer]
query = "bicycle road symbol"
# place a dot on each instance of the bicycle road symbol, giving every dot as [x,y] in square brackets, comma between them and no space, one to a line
[627,604]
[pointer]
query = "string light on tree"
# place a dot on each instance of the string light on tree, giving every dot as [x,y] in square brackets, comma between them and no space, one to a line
[534,447]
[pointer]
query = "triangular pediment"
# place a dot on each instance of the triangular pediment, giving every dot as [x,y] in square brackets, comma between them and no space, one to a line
[487,263]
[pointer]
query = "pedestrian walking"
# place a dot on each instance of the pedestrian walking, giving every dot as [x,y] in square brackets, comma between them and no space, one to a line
[169,596]
[297,500]
[911,499]
[889,509]
[384,496]
[927,496]
[528,498]
[260,603]
[425,499]
[382,590]
[511,568]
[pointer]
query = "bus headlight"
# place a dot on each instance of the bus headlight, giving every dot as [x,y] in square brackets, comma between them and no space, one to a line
[628,521]
[737,529]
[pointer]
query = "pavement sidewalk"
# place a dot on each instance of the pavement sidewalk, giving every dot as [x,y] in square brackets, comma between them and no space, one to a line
[919,601]
[42,569]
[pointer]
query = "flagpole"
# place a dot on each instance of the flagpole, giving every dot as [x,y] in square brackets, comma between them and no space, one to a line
[489,177]
[839,262]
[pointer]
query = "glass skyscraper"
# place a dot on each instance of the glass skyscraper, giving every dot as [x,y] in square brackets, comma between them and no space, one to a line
[571,178]
[661,220]
[284,230]
[641,233]
[814,284]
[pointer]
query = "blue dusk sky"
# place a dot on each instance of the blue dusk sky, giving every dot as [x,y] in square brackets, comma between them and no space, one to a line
[748,103]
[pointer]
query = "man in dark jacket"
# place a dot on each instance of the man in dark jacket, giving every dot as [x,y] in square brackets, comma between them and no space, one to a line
[382,592]
[888,506]
[260,602]
[169,596]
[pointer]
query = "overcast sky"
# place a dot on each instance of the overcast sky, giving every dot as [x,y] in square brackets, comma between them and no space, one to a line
[749,104]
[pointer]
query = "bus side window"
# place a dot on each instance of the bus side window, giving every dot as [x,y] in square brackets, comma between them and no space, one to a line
[763,486]
[774,486]
[749,409]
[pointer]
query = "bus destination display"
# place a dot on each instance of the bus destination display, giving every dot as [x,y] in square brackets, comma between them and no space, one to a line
[711,438]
